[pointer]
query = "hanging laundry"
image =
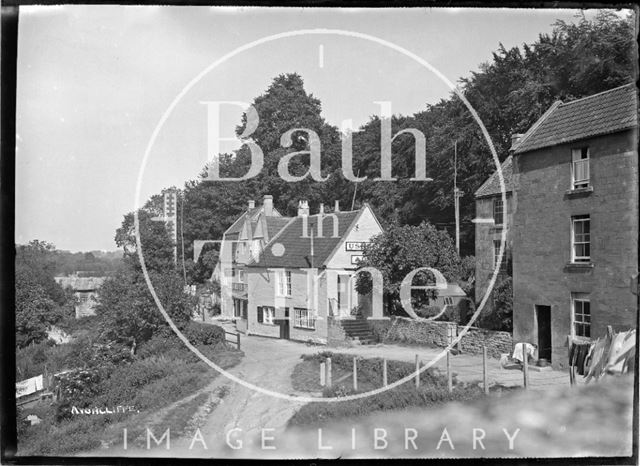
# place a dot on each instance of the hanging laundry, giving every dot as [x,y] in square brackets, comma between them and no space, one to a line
[622,346]
[613,353]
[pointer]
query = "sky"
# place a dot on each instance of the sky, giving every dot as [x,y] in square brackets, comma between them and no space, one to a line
[94,82]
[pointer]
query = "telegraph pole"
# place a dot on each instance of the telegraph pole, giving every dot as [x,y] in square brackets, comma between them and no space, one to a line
[457,193]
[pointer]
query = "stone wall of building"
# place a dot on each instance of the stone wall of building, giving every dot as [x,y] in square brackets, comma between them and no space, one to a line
[486,234]
[542,271]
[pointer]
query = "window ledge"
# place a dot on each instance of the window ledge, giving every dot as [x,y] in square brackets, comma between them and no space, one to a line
[577,266]
[579,192]
[305,328]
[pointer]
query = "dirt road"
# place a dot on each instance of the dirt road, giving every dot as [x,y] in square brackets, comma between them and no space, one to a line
[268,363]
[247,423]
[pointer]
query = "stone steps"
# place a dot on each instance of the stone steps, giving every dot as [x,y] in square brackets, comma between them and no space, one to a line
[358,331]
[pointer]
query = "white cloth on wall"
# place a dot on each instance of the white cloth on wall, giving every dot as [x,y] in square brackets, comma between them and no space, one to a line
[29,386]
[526,348]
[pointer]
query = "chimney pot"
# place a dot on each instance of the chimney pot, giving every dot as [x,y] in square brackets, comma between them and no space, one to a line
[267,205]
[252,204]
[303,208]
[515,139]
[336,207]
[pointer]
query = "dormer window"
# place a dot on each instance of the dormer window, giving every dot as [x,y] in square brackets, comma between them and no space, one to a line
[580,168]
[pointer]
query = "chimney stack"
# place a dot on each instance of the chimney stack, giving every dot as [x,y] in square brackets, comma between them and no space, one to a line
[303,209]
[252,204]
[267,205]
[321,211]
[515,139]
[336,207]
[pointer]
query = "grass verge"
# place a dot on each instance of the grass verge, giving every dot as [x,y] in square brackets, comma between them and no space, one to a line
[433,388]
[163,372]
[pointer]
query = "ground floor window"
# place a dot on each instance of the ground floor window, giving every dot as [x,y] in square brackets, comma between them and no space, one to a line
[266,314]
[581,314]
[304,318]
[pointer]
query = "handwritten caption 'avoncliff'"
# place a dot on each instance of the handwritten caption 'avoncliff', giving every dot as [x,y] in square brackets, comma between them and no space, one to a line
[103,410]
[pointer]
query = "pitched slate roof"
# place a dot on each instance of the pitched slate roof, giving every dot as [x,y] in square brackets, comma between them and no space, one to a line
[275,224]
[607,112]
[297,248]
[453,290]
[491,187]
[237,225]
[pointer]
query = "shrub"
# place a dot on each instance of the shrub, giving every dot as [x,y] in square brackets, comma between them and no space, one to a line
[428,311]
[204,334]
[501,316]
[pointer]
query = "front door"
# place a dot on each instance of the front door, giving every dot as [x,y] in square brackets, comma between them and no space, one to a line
[284,325]
[543,314]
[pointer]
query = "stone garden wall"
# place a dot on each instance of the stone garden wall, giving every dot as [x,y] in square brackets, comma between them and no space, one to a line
[336,336]
[438,334]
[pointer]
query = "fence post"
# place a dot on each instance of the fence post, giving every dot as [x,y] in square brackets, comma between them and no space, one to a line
[355,374]
[384,372]
[484,370]
[525,367]
[449,379]
[323,373]
[328,378]
[417,372]
[238,338]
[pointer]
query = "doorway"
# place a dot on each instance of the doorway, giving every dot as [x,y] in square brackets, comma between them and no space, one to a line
[543,316]
[284,325]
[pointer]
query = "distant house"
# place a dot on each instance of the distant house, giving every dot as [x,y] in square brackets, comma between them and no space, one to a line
[450,296]
[280,278]
[575,222]
[85,290]
[490,224]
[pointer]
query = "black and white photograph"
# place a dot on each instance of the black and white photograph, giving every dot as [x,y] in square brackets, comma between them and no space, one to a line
[319,232]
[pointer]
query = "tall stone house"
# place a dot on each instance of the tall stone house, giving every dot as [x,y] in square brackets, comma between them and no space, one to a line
[575,222]
[490,225]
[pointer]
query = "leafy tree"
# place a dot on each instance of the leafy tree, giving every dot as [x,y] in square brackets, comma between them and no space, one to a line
[39,260]
[211,207]
[40,301]
[129,315]
[157,245]
[35,310]
[402,249]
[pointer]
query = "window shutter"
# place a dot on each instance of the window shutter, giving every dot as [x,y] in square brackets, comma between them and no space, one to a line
[260,314]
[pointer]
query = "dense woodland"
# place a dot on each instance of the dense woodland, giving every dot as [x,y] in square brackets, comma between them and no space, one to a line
[509,93]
